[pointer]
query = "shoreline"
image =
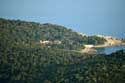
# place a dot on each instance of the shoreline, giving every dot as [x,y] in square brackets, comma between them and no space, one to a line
[107,45]
[90,50]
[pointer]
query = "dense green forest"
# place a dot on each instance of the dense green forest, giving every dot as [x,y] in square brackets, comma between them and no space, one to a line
[38,65]
[24,60]
[30,33]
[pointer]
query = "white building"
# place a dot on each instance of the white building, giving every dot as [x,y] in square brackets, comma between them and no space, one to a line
[45,42]
[50,42]
[57,42]
[89,46]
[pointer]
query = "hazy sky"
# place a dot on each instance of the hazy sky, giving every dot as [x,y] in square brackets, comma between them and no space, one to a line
[85,16]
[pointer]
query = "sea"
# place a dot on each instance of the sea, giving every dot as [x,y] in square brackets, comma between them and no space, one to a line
[109,49]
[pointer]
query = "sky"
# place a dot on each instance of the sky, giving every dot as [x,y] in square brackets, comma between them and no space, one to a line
[106,17]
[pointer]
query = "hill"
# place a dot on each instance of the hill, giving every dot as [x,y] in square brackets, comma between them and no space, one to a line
[30,33]
[45,65]
[23,59]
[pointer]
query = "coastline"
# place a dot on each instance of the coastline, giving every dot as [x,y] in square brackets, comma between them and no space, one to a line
[110,41]
[107,45]
[90,50]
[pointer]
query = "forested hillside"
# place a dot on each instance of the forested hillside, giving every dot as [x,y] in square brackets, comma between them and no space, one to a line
[30,33]
[38,65]
[24,60]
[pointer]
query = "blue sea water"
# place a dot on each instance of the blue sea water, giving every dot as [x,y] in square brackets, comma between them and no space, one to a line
[110,49]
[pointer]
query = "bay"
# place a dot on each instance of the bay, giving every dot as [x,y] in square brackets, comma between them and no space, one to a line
[109,49]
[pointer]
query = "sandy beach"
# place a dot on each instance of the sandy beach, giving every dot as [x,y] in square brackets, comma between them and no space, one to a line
[110,41]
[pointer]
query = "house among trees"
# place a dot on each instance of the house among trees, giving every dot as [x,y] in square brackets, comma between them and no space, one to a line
[89,46]
[50,42]
[57,42]
[45,42]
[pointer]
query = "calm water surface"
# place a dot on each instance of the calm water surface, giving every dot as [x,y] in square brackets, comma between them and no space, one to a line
[110,49]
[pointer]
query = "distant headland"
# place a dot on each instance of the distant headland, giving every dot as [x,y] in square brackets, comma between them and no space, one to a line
[110,41]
